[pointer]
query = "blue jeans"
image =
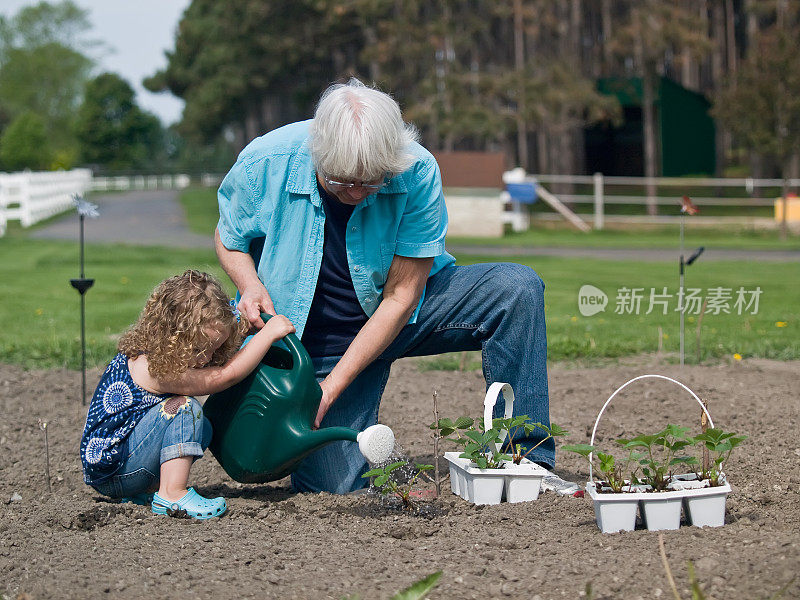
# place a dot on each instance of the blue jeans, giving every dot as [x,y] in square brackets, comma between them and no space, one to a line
[497,308]
[173,428]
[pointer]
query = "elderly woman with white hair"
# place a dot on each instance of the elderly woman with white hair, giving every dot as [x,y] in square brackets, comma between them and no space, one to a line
[339,223]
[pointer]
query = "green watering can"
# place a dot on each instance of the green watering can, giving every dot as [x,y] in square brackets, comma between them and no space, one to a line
[262,426]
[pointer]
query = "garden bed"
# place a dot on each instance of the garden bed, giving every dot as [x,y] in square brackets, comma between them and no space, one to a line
[274,543]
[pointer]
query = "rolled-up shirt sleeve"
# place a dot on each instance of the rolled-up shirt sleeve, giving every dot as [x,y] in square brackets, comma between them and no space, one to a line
[239,209]
[424,222]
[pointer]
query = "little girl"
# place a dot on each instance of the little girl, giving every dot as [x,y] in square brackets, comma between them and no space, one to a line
[144,428]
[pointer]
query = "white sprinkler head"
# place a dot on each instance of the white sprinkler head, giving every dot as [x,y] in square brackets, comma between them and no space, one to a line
[376,443]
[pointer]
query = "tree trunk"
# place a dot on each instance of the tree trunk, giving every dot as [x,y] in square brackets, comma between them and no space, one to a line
[649,125]
[519,65]
[718,59]
[542,151]
[605,17]
[647,72]
[730,31]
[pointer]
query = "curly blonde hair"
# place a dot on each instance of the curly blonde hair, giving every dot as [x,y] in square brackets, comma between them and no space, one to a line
[173,324]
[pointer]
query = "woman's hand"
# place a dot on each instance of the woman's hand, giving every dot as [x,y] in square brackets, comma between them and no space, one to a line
[328,398]
[254,301]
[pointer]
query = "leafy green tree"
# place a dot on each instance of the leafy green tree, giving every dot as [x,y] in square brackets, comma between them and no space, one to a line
[113,131]
[25,144]
[249,64]
[43,68]
[761,105]
[649,31]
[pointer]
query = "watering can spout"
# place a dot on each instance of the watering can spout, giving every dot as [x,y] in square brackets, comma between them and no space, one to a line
[376,443]
[315,438]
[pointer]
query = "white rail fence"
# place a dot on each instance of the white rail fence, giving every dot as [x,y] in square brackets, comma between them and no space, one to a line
[144,182]
[593,190]
[32,197]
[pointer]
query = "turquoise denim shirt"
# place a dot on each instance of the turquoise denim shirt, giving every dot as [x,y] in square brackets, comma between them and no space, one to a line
[271,192]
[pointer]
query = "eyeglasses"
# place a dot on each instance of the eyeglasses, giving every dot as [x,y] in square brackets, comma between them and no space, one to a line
[370,186]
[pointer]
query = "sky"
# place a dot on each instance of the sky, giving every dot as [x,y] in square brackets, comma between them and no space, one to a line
[136,33]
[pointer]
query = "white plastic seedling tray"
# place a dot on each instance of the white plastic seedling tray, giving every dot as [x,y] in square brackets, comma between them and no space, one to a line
[513,483]
[704,505]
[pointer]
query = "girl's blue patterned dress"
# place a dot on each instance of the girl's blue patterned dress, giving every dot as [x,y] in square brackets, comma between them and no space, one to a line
[116,407]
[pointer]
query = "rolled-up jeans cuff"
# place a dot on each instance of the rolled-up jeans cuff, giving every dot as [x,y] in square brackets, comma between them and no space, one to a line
[182,449]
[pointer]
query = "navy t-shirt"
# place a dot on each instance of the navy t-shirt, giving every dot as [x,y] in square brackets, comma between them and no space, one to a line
[336,315]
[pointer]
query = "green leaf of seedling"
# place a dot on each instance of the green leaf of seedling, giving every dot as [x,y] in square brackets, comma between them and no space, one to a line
[499,424]
[606,462]
[736,440]
[463,422]
[679,445]
[373,473]
[481,461]
[445,431]
[475,436]
[518,421]
[471,448]
[421,467]
[419,589]
[394,466]
[724,447]
[556,430]
[682,460]
[381,481]
[492,435]
[582,449]
[676,431]
[637,442]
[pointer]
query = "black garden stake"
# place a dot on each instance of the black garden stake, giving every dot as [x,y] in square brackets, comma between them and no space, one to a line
[687,208]
[85,209]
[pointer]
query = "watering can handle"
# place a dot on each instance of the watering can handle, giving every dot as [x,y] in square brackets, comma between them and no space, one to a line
[299,354]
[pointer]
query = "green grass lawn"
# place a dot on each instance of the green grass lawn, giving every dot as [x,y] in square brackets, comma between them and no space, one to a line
[771,332]
[200,206]
[40,311]
[41,320]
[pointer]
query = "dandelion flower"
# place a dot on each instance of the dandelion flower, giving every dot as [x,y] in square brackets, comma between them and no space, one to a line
[574,319]
[737,356]
[780,324]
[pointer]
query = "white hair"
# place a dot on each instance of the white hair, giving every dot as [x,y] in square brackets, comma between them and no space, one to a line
[358,134]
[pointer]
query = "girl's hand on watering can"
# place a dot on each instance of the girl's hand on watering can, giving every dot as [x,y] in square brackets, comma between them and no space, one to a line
[278,327]
[254,301]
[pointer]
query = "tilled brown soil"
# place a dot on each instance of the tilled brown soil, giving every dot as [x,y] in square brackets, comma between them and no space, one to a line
[273,543]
